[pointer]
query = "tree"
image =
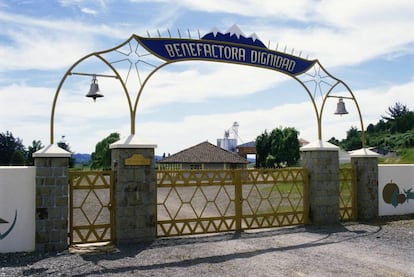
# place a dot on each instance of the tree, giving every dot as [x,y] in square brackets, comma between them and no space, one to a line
[399,118]
[353,140]
[101,158]
[395,111]
[334,141]
[62,144]
[262,149]
[17,158]
[278,149]
[36,146]
[9,145]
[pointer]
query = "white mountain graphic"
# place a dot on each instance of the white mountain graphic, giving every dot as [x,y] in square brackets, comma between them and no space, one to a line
[235,30]
[234,34]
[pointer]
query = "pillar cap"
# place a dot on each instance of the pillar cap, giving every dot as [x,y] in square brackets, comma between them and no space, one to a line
[363,153]
[319,145]
[52,151]
[131,141]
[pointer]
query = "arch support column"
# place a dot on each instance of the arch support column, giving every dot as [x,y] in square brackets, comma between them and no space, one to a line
[321,160]
[133,164]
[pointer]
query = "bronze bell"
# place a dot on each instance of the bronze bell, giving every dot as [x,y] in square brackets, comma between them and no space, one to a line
[94,89]
[340,107]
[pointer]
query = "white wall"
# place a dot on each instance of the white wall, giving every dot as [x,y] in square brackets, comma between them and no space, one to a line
[392,181]
[17,201]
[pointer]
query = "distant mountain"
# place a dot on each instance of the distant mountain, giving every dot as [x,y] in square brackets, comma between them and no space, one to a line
[81,158]
[234,34]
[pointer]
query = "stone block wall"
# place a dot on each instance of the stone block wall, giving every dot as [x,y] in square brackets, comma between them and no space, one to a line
[134,195]
[51,204]
[367,186]
[323,167]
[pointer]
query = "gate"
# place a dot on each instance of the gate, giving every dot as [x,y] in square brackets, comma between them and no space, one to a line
[210,201]
[91,214]
[347,194]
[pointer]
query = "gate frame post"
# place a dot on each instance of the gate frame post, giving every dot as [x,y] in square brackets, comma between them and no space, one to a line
[321,159]
[134,205]
[52,184]
[238,198]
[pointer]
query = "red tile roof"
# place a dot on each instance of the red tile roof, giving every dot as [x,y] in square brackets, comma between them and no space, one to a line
[205,152]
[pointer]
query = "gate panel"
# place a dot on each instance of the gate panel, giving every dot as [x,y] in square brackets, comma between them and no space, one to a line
[91,215]
[195,202]
[274,198]
[347,194]
[210,201]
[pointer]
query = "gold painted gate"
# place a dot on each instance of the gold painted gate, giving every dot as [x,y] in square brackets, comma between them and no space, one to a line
[91,214]
[347,194]
[210,201]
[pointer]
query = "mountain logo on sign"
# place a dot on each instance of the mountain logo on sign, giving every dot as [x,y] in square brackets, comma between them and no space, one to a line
[234,34]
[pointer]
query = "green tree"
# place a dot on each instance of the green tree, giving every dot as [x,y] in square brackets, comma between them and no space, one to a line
[399,118]
[64,145]
[353,140]
[101,158]
[395,111]
[8,146]
[17,158]
[36,146]
[334,141]
[278,149]
[262,149]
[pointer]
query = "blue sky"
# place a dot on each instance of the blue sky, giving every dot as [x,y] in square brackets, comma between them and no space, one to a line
[367,44]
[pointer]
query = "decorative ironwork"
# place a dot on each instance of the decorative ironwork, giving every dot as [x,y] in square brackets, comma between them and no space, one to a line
[91,215]
[273,198]
[146,56]
[347,194]
[210,201]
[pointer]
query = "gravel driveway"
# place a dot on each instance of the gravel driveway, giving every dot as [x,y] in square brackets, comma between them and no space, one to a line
[380,248]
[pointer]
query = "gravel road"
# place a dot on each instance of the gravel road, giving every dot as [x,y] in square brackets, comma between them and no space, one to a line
[381,248]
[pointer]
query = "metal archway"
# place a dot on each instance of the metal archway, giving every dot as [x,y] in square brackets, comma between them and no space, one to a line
[230,47]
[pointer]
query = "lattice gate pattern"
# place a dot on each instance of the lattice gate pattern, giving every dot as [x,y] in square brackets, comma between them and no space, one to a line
[347,194]
[91,216]
[273,198]
[211,201]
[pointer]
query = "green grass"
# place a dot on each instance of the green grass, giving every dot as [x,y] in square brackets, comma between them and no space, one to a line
[404,156]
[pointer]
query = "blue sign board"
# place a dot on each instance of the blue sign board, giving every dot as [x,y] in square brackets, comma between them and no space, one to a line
[225,48]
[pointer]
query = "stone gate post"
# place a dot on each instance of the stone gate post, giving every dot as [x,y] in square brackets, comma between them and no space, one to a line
[322,162]
[133,164]
[366,164]
[52,203]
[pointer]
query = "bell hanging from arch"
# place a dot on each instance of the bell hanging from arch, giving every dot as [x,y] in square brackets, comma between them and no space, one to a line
[340,107]
[94,91]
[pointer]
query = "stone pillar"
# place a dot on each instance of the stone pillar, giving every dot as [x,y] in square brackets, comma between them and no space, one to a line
[322,161]
[134,191]
[366,164]
[51,198]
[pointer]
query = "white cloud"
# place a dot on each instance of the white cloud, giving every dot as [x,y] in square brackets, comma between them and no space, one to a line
[336,32]
[89,11]
[196,82]
[48,44]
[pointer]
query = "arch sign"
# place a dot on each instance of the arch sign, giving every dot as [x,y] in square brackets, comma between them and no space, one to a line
[228,47]
[231,47]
